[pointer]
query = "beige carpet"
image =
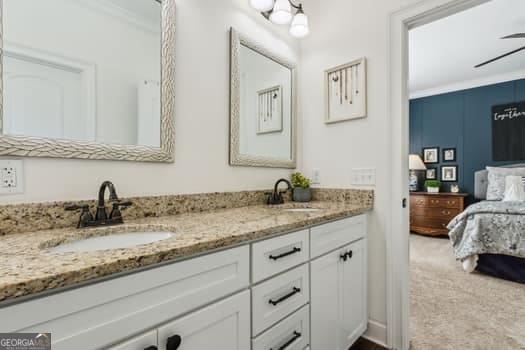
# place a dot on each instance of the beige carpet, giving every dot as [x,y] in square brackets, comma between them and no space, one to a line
[451,309]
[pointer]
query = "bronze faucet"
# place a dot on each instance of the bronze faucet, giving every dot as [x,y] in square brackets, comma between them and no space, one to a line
[276,197]
[101,216]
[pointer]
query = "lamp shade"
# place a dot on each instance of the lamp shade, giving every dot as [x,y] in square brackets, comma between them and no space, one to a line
[415,162]
[262,5]
[282,12]
[299,27]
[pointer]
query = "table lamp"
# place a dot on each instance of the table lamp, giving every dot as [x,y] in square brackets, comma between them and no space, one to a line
[414,164]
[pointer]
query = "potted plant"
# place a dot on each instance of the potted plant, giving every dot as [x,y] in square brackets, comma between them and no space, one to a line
[301,188]
[433,186]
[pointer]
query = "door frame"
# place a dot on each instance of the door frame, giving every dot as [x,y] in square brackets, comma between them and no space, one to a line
[397,239]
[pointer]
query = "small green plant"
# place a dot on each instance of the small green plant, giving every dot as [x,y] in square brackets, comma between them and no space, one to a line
[299,180]
[432,183]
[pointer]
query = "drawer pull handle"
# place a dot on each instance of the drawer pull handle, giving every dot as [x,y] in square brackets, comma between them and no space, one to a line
[346,256]
[284,297]
[280,256]
[446,212]
[153,347]
[296,335]
[173,342]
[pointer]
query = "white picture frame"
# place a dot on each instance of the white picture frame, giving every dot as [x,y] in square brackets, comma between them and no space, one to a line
[270,110]
[346,92]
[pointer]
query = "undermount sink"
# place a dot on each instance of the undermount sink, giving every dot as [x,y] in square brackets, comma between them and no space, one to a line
[302,210]
[112,241]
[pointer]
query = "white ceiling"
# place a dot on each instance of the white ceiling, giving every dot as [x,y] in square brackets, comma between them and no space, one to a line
[443,53]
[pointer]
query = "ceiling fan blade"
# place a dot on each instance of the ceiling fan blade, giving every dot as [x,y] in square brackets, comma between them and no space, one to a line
[500,57]
[515,36]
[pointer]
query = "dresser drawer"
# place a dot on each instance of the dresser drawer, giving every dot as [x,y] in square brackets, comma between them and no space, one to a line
[278,297]
[328,237]
[434,223]
[436,202]
[444,213]
[275,255]
[293,333]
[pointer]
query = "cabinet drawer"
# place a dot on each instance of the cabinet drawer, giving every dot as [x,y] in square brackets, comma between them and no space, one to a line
[445,213]
[104,313]
[140,342]
[436,201]
[278,297]
[275,255]
[434,223]
[325,238]
[223,325]
[293,333]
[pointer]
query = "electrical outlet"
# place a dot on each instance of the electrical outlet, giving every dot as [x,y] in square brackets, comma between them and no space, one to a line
[11,176]
[316,177]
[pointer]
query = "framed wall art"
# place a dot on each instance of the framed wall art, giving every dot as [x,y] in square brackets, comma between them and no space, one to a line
[345,92]
[431,155]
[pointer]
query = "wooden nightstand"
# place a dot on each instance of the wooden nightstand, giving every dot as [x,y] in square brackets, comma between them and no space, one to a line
[430,213]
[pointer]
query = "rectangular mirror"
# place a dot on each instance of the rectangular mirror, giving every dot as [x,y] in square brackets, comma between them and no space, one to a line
[262,112]
[88,79]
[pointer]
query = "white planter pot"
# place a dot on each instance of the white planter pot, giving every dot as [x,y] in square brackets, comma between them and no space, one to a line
[433,189]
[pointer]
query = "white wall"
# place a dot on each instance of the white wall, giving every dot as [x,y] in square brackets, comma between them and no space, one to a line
[344,30]
[202,118]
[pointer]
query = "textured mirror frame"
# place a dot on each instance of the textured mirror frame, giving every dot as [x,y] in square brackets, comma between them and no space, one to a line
[236,157]
[28,146]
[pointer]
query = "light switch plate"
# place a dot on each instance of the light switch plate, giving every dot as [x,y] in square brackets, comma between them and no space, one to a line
[316,177]
[363,177]
[11,176]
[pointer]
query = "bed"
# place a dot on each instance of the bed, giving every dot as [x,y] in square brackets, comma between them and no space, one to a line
[489,236]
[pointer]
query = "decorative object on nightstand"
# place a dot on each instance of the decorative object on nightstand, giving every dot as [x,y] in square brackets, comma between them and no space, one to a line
[454,188]
[414,164]
[432,186]
[430,213]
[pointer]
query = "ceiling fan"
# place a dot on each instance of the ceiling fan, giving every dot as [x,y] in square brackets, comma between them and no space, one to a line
[512,36]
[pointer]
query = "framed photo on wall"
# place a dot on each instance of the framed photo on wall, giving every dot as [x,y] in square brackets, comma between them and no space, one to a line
[449,154]
[431,155]
[431,174]
[449,173]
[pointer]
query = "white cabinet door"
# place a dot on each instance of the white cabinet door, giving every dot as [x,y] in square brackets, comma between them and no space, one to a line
[354,290]
[223,325]
[338,297]
[146,341]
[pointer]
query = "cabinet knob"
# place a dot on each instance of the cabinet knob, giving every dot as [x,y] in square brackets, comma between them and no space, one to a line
[173,342]
[153,347]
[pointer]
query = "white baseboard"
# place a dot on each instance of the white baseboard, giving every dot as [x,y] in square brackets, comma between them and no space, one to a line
[376,333]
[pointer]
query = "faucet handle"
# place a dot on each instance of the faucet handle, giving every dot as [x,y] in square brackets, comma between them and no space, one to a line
[269,196]
[115,212]
[85,215]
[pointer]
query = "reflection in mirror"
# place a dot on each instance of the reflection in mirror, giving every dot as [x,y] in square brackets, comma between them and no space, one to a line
[262,106]
[84,70]
[266,109]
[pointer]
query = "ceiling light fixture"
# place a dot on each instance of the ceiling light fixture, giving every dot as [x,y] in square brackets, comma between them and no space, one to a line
[280,12]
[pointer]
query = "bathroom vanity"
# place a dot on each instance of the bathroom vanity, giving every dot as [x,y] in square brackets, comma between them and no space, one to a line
[302,288]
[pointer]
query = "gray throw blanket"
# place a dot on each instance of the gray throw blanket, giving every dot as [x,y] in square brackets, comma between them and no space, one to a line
[489,227]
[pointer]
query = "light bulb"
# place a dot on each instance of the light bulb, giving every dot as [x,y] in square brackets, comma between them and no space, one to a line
[282,12]
[262,5]
[299,27]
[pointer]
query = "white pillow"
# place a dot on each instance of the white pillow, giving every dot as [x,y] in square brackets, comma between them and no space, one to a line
[496,185]
[514,191]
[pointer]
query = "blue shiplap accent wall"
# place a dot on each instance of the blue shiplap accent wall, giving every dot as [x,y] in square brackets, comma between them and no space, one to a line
[461,119]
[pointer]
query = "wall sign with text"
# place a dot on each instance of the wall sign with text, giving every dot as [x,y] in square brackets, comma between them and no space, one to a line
[508,132]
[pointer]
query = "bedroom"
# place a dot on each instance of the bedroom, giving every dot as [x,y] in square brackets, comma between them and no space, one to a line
[467,134]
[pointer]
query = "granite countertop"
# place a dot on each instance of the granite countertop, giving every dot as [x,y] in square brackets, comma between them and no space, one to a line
[27,266]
